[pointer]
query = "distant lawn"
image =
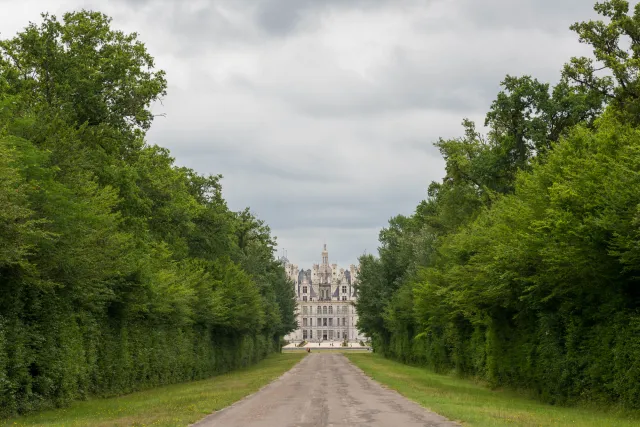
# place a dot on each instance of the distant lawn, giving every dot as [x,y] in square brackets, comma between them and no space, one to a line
[175,405]
[473,405]
[326,350]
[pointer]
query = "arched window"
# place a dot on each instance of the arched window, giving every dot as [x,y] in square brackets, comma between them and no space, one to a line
[324,310]
[330,309]
[319,310]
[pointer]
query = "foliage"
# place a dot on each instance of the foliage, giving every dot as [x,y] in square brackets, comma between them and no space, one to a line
[520,267]
[616,50]
[118,269]
[160,407]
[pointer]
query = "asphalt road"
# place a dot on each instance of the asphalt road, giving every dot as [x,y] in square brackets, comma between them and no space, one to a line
[324,389]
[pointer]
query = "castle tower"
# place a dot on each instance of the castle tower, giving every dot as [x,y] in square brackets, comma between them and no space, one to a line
[325,276]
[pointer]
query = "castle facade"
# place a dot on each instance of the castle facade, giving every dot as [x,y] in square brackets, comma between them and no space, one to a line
[325,302]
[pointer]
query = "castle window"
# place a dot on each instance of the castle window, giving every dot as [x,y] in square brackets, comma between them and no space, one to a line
[324,310]
[319,310]
[305,309]
[331,321]
[330,309]
[344,290]
[304,298]
[324,321]
[344,297]
[304,289]
[304,321]
[304,334]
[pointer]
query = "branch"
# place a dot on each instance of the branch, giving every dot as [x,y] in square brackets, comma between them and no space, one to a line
[592,87]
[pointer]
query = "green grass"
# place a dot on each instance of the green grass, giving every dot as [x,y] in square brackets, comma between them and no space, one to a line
[474,405]
[175,405]
[325,350]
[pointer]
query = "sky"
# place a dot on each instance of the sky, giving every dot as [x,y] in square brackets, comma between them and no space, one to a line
[321,115]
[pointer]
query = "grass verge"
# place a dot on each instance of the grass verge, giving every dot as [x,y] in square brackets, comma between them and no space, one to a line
[324,350]
[174,405]
[474,405]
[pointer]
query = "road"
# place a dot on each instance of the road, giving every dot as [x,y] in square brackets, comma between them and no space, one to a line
[324,389]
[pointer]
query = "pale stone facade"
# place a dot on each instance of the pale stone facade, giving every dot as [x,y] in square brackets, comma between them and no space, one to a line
[326,295]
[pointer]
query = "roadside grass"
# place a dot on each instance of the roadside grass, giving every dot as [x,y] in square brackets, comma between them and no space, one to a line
[175,405]
[326,350]
[474,405]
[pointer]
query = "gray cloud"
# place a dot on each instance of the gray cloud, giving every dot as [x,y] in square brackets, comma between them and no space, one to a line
[321,114]
[550,16]
[282,17]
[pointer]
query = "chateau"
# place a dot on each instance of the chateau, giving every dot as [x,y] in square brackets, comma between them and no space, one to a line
[325,295]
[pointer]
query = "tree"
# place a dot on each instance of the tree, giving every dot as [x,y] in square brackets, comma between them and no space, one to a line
[84,70]
[527,118]
[616,49]
[118,269]
[20,230]
[520,266]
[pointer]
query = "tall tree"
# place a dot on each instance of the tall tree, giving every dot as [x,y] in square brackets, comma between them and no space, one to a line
[614,74]
[85,70]
[118,269]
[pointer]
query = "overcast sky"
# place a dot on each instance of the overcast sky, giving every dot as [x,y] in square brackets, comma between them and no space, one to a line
[321,115]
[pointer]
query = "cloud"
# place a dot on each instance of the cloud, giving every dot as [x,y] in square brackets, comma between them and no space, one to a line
[321,114]
[282,17]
